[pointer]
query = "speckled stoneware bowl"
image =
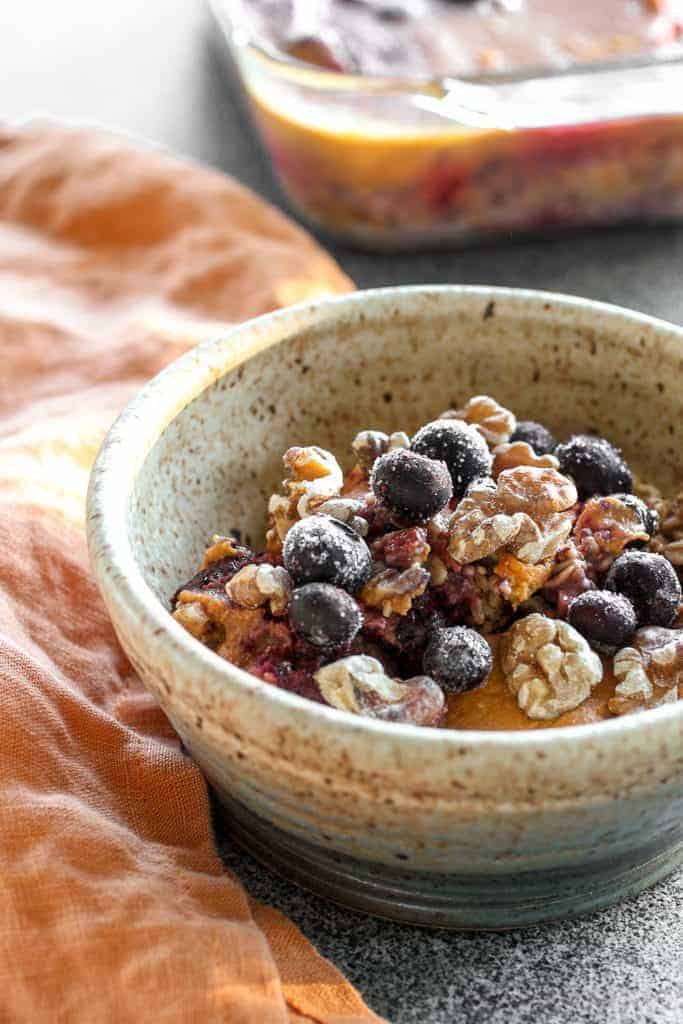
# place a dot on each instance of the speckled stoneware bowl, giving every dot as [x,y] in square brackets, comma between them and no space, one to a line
[446,828]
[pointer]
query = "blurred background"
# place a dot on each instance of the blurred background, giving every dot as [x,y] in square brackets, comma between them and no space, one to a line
[154,70]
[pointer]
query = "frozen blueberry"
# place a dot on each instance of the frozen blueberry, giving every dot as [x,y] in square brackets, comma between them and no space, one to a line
[460,446]
[411,485]
[322,549]
[596,466]
[536,436]
[607,620]
[458,658]
[648,516]
[324,615]
[651,585]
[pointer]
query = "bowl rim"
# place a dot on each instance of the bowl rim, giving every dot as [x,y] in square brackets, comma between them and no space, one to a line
[143,420]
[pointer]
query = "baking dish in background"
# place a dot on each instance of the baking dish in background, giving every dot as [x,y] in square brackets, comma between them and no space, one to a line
[395,163]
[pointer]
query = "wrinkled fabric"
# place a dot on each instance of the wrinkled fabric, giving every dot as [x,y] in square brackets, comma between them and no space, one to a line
[114,905]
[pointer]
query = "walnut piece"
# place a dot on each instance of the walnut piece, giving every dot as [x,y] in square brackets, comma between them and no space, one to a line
[518,453]
[346,510]
[525,512]
[650,672]
[394,590]
[223,547]
[368,445]
[536,490]
[196,620]
[398,439]
[604,528]
[202,613]
[315,477]
[494,423]
[545,540]
[478,527]
[359,684]
[257,585]
[548,666]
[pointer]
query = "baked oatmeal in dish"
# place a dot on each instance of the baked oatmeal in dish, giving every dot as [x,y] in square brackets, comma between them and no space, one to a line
[477,575]
[396,123]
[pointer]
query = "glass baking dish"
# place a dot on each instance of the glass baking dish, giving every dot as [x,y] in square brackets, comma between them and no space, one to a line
[391,163]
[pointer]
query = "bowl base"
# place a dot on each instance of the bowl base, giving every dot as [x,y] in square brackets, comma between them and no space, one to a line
[472,902]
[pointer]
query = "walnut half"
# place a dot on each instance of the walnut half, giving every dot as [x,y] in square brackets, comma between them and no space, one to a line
[548,666]
[650,672]
[525,512]
[359,684]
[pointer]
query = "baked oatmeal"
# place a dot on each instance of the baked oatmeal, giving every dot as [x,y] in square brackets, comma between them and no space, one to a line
[479,575]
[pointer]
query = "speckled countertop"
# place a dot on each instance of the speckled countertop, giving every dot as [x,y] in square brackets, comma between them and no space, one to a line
[620,967]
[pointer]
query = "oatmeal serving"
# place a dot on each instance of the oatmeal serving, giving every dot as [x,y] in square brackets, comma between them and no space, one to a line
[479,575]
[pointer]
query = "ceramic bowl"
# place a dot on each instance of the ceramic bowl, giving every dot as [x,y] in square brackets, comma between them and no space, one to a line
[446,828]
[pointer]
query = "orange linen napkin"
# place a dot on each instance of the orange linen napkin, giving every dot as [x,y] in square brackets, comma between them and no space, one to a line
[113,903]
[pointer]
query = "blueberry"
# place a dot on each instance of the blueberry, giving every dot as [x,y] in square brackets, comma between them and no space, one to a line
[460,446]
[324,615]
[458,658]
[651,585]
[596,466]
[648,517]
[536,436]
[607,620]
[322,549]
[411,485]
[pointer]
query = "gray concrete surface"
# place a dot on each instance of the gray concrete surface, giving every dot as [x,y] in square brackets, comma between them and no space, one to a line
[150,69]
